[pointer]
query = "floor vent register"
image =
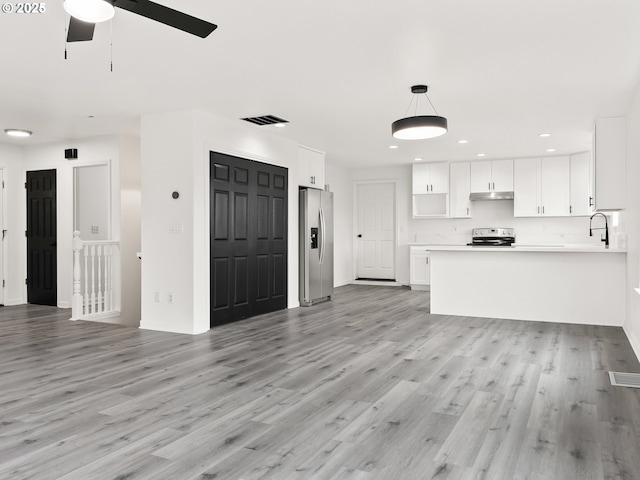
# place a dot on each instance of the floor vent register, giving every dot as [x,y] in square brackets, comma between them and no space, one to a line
[620,379]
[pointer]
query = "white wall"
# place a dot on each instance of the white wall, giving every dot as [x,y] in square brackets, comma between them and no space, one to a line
[175,157]
[340,184]
[92,205]
[632,220]
[11,157]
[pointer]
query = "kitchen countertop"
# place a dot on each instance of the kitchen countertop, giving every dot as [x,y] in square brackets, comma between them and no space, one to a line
[555,248]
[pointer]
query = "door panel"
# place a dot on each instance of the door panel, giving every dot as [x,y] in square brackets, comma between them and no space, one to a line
[376,229]
[41,238]
[249,232]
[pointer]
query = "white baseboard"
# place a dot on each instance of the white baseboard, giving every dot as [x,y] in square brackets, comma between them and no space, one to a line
[633,340]
[14,301]
[374,282]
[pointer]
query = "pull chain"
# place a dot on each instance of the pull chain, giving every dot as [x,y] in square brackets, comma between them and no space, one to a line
[111,41]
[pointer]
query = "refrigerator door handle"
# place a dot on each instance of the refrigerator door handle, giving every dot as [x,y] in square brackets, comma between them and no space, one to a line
[322,234]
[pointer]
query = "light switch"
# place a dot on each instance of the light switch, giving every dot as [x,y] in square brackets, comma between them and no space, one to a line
[95,229]
[175,228]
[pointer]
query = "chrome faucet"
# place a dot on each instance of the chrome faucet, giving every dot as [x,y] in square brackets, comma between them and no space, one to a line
[606,229]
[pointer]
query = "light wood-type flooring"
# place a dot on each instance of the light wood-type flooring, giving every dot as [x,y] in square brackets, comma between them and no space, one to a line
[367,386]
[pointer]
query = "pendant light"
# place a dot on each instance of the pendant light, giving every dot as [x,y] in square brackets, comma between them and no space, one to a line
[419,127]
[92,11]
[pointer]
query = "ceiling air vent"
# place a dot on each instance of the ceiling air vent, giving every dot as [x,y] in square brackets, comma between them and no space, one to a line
[265,120]
[620,379]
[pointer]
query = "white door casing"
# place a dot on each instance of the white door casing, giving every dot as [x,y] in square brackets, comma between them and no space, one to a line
[375,230]
[2,233]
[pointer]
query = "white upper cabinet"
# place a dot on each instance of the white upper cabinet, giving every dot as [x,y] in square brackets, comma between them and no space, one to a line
[526,187]
[554,186]
[581,192]
[459,190]
[541,187]
[430,178]
[492,176]
[310,168]
[610,163]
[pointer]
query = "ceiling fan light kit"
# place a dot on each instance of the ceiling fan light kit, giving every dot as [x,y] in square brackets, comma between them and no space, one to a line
[91,11]
[86,13]
[419,127]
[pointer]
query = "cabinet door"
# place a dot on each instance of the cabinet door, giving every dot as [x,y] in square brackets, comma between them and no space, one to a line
[419,269]
[459,190]
[526,181]
[502,175]
[310,168]
[439,177]
[421,179]
[481,176]
[554,186]
[610,163]
[581,196]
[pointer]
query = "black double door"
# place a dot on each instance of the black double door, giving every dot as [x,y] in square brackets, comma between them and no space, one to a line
[41,237]
[248,238]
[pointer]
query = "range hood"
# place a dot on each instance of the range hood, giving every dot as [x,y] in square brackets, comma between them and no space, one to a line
[491,196]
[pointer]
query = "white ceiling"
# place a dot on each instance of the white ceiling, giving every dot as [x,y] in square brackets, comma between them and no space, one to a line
[501,71]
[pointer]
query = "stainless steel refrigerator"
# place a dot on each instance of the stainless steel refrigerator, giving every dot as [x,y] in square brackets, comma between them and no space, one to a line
[316,246]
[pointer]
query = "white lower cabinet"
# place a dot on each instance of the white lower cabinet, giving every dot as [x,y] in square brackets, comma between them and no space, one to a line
[419,268]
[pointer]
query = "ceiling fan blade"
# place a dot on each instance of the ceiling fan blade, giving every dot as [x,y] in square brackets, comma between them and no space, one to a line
[168,16]
[79,31]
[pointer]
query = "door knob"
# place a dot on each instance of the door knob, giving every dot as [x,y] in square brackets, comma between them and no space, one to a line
[359,235]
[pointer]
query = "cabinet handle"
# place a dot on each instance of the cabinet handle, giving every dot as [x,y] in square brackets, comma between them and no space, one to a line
[494,185]
[570,209]
[543,209]
[427,260]
[489,185]
[432,187]
[538,210]
[467,210]
[591,201]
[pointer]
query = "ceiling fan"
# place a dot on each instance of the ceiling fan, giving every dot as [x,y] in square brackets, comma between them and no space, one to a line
[86,13]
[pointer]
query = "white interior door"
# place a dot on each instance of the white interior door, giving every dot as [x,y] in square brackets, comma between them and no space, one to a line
[375,228]
[3,233]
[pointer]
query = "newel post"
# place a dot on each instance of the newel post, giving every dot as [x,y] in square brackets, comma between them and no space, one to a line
[76,302]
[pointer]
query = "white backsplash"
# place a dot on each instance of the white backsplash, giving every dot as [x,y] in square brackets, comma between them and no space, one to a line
[529,231]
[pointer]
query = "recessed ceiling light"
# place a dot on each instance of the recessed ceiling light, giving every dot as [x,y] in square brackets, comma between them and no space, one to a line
[481,154]
[393,147]
[543,135]
[551,149]
[17,132]
[418,159]
[279,125]
[463,141]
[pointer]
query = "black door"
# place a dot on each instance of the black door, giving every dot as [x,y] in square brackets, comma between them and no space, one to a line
[248,238]
[41,237]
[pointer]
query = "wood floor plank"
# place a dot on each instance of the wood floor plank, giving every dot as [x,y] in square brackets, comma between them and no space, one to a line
[367,386]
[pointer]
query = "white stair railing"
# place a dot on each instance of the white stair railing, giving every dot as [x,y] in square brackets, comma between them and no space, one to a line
[96,279]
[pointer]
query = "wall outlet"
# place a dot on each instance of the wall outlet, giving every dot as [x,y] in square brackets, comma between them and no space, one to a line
[95,229]
[156,297]
[169,297]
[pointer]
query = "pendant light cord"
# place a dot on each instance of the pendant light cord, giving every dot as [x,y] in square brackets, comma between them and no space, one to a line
[434,108]
[415,112]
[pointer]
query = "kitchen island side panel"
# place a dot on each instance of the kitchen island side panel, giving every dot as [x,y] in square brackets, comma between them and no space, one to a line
[575,287]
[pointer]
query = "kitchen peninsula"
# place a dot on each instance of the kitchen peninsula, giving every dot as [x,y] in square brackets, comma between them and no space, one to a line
[559,283]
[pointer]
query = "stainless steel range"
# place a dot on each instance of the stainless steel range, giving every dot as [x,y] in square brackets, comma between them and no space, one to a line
[492,237]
